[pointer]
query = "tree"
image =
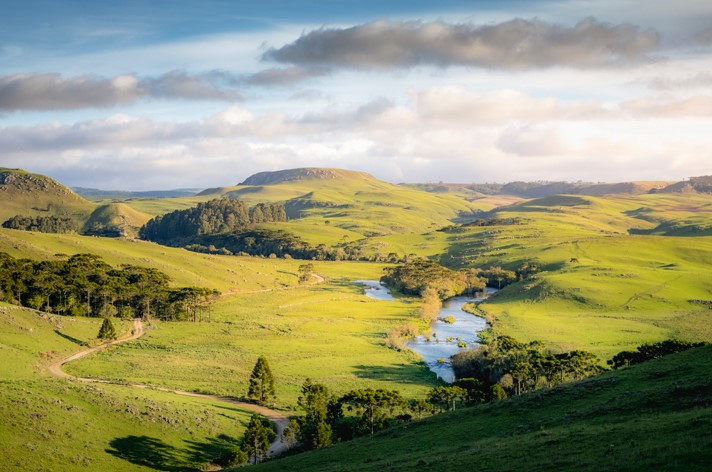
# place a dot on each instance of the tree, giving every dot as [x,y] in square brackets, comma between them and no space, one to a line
[255,442]
[107,330]
[315,431]
[447,396]
[372,404]
[305,271]
[261,381]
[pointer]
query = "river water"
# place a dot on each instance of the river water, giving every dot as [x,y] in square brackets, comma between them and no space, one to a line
[442,343]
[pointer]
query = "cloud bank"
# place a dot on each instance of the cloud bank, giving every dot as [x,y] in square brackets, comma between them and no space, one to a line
[517,44]
[442,133]
[54,92]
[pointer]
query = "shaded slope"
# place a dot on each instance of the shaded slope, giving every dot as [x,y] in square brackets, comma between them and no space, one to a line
[654,416]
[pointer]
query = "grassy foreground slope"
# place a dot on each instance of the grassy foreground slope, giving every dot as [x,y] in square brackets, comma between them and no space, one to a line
[654,416]
[53,425]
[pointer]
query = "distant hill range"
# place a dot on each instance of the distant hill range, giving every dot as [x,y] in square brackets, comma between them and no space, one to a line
[96,194]
[376,207]
[702,184]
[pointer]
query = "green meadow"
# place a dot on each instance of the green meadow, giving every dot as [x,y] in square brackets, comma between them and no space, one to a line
[330,333]
[53,424]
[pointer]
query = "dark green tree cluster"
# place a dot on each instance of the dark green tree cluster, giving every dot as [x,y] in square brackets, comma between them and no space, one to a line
[217,216]
[520,367]
[416,277]
[42,224]
[646,352]
[84,285]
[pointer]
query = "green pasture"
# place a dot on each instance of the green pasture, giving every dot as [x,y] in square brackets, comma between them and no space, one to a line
[52,424]
[330,332]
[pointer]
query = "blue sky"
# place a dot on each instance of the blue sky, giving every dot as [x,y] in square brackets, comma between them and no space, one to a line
[150,95]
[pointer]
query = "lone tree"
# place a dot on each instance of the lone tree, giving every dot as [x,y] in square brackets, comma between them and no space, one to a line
[107,330]
[305,271]
[255,442]
[261,381]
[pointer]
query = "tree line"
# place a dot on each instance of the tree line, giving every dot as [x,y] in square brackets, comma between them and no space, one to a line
[42,224]
[216,216]
[505,365]
[85,285]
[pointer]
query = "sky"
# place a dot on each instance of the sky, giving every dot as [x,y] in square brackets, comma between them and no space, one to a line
[148,95]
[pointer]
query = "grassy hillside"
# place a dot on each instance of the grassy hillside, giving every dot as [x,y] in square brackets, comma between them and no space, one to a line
[354,202]
[57,425]
[654,416]
[115,219]
[601,288]
[23,193]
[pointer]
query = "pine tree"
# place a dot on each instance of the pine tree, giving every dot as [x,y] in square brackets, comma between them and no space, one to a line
[261,381]
[255,442]
[107,330]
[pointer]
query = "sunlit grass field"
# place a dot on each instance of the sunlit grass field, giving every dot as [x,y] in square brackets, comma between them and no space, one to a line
[50,424]
[330,333]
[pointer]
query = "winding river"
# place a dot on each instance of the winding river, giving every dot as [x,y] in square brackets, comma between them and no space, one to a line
[446,338]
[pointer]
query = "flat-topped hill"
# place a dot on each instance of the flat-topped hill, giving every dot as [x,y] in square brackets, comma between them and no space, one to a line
[304,173]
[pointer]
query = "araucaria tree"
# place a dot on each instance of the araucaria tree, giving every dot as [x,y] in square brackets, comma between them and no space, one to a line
[261,381]
[255,442]
[107,330]
[373,405]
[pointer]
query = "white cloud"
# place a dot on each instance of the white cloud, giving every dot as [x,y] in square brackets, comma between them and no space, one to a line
[443,133]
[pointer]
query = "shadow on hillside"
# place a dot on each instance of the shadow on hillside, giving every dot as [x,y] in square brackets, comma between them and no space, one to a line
[147,452]
[70,338]
[213,448]
[157,455]
[404,374]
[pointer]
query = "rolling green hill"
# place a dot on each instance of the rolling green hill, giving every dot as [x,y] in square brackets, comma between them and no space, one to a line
[653,416]
[115,219]
[23,193]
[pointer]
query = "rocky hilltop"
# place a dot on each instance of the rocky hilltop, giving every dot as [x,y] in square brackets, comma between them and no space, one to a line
[304,173]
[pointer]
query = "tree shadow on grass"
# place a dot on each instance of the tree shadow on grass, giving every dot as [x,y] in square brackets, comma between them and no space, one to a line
[157,455]
[148,452]
[70,338]
[212,449]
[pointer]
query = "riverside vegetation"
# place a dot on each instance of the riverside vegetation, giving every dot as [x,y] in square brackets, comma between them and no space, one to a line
[583,279]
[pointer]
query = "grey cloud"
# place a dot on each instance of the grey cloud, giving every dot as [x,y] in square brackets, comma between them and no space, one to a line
[516,44]
[703,37]
[54,92]
[283,76]
[697,81]
[215,85]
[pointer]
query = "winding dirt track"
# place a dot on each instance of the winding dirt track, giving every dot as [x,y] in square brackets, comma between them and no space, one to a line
[280,420]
